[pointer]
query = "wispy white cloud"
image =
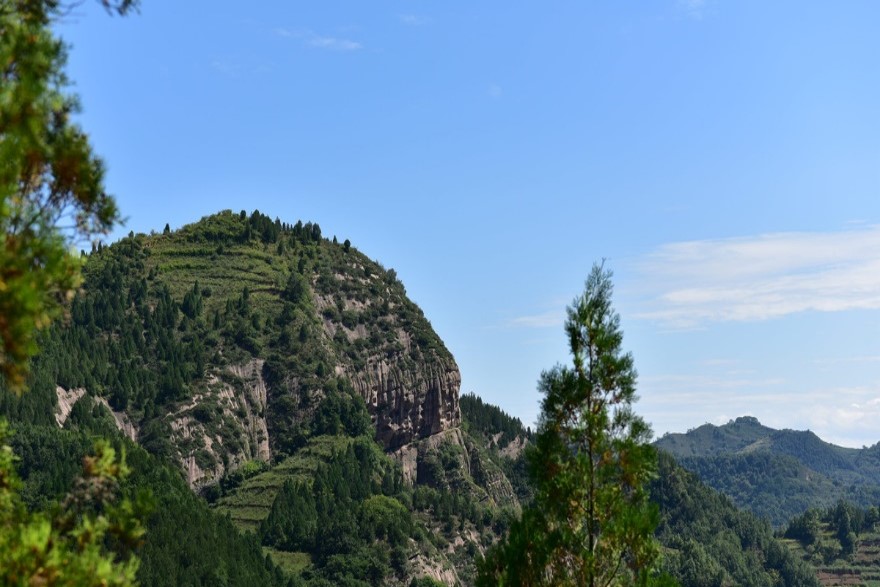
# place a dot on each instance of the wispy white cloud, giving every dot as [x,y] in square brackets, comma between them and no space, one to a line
[234,68]
[692,8]
[685,386]
[552,319]
[225,67]
[312,39]
[762,277]
[413,19]
[720,362]
[850,420]
[846,416]
[856,359]
[334,44]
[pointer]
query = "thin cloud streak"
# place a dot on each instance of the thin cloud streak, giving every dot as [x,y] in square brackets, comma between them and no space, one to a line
[413,19]
[850,419]
[551,319]
[225,67]
[680,383]
[844,360]
[312,39]
[692,8]
[762,277]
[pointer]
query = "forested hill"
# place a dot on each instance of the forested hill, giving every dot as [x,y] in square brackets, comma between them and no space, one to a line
[298,422]
[218,343]
[777,474]
[286,376]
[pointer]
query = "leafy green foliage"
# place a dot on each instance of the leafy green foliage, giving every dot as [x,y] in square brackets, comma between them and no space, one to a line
[487,420]
[167,324]
[128,338]
[342,413]
[840,542]
[69,547]
[492,426]
[162,321]
[380,513]
[774,487]
[184,543]
[709,439]
[293,521]
[348,519]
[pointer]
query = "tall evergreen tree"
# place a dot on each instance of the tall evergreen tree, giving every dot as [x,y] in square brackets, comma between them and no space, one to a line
[591,523]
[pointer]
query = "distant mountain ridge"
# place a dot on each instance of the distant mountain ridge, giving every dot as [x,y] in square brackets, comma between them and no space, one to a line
[776,473]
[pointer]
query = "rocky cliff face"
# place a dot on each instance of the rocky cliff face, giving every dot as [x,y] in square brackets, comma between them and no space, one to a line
[223,426]
[387,349]
[452,461]
[219,429]
[409,402]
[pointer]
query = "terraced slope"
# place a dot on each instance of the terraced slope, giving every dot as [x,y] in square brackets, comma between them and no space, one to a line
[249,503]
[834,566]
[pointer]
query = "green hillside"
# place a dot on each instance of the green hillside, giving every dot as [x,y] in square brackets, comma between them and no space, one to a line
[298,422]
[239,350]
[777,474]
[185,543]
[740,435]
[708,542]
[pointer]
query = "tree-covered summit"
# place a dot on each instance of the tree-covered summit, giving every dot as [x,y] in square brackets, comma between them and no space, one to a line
[777,473]
[220,340]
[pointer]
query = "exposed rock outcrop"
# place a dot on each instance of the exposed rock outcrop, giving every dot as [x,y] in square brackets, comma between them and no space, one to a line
[122,421]
[514,448]
[414,455]
[439,570]
[66,400]
[252,397]
[394,360]
[409,402]
[450,460]
[223,426]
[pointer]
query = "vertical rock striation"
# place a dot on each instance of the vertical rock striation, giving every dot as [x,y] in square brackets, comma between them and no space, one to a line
[409,400]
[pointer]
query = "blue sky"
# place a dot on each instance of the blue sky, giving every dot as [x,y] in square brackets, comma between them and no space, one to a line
[723,156]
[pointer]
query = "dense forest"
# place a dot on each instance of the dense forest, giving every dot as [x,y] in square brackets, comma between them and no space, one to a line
[185,543]
[711,543]
[152,352]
